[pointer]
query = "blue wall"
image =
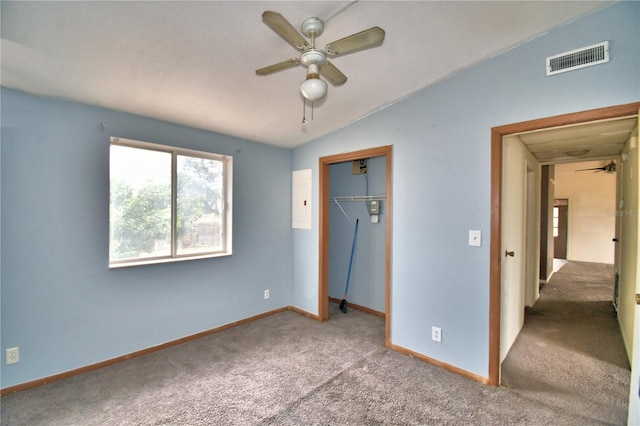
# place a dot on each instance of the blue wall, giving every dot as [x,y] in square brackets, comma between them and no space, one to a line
[441,176]
[61,304]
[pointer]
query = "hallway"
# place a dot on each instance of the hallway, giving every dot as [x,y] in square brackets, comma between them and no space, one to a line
[570,351]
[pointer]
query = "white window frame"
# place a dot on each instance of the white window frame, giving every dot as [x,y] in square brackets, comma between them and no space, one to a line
[227,185]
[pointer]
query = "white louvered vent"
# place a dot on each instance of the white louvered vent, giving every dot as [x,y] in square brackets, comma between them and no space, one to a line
[579,58]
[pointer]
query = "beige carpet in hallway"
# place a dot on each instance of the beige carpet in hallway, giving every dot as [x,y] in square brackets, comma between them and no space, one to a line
[570,350]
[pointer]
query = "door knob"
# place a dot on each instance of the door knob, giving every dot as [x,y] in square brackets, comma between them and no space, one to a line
[615,240]
[509,253]
[637,299]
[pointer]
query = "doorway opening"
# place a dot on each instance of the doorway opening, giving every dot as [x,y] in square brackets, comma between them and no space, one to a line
[560,227]
[324,228]
[495,268]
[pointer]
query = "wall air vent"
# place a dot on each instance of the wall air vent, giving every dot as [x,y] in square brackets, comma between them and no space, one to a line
[579,58]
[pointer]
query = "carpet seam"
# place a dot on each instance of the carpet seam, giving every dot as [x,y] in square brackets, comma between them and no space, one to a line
[291,405]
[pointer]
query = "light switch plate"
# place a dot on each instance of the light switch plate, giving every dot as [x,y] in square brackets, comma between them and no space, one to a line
[475,238]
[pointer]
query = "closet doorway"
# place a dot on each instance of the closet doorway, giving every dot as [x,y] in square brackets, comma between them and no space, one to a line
[324,227]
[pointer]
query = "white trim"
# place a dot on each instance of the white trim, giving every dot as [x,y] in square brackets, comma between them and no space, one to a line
[117,264]
[167,148]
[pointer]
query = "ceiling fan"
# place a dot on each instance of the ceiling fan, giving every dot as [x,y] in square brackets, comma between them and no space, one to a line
[607,168]
[314,59]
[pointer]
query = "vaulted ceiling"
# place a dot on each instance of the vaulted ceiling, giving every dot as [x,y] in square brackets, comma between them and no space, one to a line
[194,63]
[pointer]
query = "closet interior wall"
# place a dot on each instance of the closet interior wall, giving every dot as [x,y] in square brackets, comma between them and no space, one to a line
[367,279]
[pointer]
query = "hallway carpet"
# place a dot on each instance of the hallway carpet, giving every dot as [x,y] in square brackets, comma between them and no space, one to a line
[570,350]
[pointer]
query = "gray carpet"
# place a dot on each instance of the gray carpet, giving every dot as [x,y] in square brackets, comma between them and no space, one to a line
[287,369]
[570,348]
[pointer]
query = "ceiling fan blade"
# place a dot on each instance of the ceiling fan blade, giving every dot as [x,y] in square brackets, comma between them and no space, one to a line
[597,169]
[289,63]
[284,29]
[333,74]
[362,40]
[609,168]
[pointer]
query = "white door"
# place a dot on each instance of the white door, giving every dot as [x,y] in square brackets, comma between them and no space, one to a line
[634,395]
[617,254]
[632,165]
[513,243]
[532,234]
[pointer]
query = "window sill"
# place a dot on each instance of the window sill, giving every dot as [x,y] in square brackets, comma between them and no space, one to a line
[153,261]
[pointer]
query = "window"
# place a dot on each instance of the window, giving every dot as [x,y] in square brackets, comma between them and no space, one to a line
[167,204]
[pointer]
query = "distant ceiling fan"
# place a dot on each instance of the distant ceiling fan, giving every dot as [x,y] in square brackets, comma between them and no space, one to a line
[607,168]
[315,60]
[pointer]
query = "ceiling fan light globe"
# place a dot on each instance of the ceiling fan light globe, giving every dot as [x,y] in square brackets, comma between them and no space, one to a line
[313,89]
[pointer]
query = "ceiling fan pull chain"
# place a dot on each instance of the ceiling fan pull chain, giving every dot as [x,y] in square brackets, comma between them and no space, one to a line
[304,112]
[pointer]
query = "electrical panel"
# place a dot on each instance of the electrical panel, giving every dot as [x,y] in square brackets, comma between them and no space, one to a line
[301,199]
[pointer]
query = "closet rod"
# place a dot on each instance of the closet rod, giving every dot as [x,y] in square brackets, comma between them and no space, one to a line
[359,198]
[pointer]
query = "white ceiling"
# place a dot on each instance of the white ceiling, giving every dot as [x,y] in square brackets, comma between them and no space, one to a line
[194,63]
[597,140]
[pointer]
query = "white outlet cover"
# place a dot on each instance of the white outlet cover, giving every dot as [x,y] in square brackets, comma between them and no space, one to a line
[12,356]
[436,334]
[475,238]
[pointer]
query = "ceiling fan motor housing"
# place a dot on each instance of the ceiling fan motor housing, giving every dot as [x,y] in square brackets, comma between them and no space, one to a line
[312,56]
